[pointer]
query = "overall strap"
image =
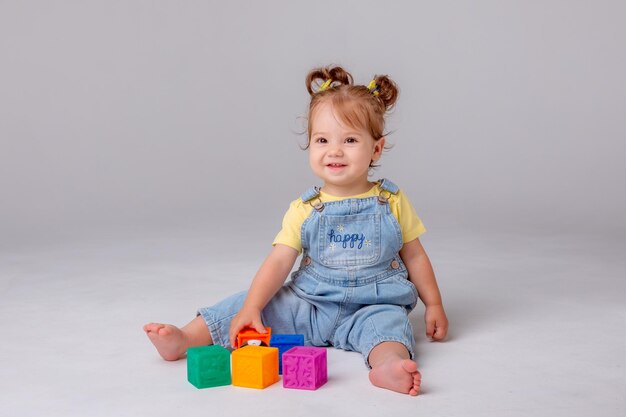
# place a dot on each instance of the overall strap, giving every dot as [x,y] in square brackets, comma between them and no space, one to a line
[310,194]
[312,197]
[387,189]
[387,185]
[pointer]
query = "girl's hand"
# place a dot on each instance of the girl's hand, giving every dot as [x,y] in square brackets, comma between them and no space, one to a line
[436,322]
[247,317]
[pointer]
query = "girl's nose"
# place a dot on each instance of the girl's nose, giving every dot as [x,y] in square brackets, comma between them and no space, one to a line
[335,151]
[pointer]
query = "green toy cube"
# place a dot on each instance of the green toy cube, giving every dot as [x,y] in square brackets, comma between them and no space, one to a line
[208,366]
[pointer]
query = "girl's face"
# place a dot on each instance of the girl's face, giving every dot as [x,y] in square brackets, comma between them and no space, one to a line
[341,155]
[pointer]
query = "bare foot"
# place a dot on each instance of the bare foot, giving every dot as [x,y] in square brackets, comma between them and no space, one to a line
[397,374]
[169,340]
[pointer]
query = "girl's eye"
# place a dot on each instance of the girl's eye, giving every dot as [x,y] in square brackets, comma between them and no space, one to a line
[351,140]
[321,140]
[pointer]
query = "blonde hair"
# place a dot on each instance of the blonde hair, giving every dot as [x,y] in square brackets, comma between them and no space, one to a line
[356,105]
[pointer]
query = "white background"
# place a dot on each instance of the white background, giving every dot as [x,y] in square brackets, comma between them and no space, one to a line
[148,150]
[131,116]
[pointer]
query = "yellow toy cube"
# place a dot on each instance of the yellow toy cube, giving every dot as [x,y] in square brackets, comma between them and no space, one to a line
[255,366]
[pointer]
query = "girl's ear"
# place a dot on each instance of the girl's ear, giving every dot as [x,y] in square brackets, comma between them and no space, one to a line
[379,145]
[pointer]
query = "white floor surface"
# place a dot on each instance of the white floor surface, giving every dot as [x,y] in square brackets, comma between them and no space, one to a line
[537,329]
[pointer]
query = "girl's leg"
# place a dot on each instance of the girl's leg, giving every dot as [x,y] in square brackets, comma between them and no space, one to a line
[172,342]
[393,369]
[383,335]
[212,324]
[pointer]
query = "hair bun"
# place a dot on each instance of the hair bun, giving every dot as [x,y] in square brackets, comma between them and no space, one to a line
[318,76]
[387,90]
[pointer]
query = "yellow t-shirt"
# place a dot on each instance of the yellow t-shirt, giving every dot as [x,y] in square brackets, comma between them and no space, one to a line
[400,206]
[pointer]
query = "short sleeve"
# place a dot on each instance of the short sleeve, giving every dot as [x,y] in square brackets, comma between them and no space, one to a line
[290,233]
[410,223]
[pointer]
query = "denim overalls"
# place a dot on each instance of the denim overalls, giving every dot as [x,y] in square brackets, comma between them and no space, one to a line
[351,290]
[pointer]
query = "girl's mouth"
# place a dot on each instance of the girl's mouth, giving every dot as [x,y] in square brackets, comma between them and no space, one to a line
[335,168]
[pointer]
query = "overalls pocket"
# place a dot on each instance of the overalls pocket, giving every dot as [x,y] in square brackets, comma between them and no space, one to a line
[351,240]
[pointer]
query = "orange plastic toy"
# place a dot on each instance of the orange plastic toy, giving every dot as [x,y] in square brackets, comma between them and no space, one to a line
[255,366]
[247,334]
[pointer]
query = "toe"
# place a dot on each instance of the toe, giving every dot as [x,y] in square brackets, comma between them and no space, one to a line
[164,330]
[153,327]
[409,366]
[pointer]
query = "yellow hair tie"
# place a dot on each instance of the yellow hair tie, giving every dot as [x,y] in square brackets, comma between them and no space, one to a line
[325,85]
[373,87]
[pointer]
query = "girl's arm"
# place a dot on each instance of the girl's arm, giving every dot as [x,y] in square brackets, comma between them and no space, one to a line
[267,281]
[421,274]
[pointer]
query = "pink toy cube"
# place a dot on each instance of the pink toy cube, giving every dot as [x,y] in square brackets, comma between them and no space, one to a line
[304,368]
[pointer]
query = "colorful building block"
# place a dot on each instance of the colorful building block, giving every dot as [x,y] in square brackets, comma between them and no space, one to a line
[255,366]
[247,334]
[284,342]
[304,368]
[208,366]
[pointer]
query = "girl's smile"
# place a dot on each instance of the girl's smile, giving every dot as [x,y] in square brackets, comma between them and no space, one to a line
[336,167]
